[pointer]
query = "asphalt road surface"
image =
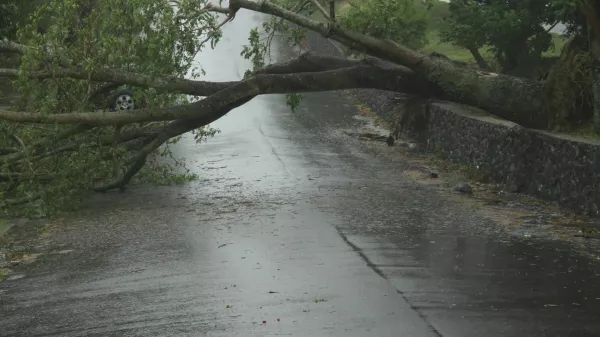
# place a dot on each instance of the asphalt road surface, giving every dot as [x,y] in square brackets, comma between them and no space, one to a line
[294,230]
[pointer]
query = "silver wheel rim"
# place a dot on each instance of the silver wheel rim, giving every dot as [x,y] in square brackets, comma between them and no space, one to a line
[125,102]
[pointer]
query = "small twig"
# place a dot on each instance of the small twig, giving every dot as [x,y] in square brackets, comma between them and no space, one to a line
[229,18]
[17,140]
[7,150]
[551,27]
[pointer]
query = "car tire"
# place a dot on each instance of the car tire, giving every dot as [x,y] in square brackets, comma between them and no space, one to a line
[122,100]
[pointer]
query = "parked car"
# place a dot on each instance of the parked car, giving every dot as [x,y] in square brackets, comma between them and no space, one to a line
[122,98]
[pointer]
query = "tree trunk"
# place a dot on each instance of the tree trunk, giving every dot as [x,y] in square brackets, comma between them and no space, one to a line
[590,11]
[595,51]
[481,62]
[516,99]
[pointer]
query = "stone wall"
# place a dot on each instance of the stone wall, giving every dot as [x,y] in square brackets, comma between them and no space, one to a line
[553,167]
[549,166]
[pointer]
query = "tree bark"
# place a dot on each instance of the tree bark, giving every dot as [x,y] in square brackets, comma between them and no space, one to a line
[516,99]
[591,10]
[481,62]
[359,76]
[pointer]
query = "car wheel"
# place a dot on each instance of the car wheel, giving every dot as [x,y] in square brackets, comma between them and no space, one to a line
[122,101]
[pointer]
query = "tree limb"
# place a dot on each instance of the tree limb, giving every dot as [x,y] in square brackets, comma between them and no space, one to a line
[164,83]
[17,140]
[321,9]
[520,100]
[362,76]
[12,47]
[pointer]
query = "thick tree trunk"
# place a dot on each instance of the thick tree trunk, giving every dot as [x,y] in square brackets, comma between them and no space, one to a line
[567,87]
[591,12]
[516,99]
[595,51]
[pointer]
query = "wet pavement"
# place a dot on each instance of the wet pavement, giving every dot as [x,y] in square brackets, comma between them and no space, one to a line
[295,229]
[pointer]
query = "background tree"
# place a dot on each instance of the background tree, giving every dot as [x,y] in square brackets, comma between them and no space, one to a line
[403,21]
[514,31]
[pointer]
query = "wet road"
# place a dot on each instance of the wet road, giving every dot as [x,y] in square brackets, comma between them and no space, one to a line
[299,226]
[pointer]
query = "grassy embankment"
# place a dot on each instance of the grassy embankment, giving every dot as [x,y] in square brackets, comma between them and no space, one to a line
[436,16]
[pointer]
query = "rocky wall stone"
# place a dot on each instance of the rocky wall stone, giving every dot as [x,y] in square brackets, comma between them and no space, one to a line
[550,166]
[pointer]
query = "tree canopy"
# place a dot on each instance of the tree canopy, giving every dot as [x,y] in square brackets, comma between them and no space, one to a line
[56,142]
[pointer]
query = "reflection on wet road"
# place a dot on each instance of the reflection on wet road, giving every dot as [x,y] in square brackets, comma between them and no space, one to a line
[294,230]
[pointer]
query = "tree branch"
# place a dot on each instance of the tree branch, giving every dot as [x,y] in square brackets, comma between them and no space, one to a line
[376,47]
[11,47]
[164,83]
[321,9]
[363,76]
[16,48]
[520,102]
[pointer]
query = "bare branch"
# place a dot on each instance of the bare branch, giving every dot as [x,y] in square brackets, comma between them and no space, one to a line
[217,9]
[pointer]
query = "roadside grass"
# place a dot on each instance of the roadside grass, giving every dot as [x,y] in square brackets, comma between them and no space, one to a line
[457,53]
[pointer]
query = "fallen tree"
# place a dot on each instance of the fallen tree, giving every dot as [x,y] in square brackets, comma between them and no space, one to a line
[108,149]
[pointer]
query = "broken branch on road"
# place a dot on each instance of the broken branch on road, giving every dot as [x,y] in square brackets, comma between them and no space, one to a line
[306,73]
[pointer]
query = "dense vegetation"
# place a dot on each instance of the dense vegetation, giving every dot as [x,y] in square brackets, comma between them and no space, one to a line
[63,56]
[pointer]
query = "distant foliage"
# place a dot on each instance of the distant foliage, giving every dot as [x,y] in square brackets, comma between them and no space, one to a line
[404,21]
[513,30]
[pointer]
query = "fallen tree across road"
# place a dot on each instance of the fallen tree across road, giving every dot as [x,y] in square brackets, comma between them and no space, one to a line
[105,150]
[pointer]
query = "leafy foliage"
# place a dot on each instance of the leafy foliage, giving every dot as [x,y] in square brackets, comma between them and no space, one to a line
[143,36]
[56,164]
[9,14]
[513,30]
[403,21]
